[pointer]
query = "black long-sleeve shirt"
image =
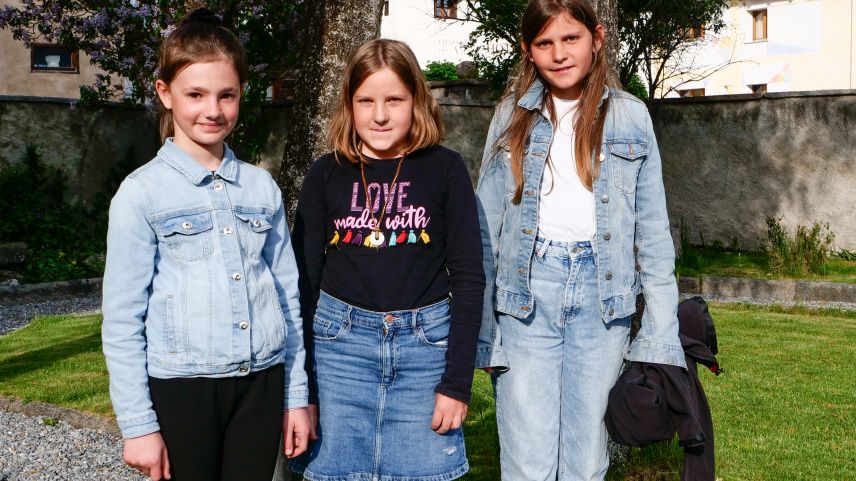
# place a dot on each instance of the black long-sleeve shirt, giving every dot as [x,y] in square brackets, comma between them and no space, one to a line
[432,246]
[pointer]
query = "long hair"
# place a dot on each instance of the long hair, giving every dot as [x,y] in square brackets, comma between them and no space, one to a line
[199,38]
[588,128]
[371,57]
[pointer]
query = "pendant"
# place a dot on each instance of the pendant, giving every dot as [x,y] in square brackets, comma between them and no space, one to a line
[376,238]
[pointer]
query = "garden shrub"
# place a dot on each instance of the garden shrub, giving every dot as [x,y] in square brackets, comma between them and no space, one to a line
[441,71]
[804,252]
[59,234]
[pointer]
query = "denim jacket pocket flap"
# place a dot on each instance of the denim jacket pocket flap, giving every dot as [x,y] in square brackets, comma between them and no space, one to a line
[256,221]
[188,224]
[629,151]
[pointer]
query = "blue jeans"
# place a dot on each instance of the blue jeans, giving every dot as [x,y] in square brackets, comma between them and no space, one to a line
[376,375]
[563,360]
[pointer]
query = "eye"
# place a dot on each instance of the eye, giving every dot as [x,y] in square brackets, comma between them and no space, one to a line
[194,95]
[572,38]
[364,101]
[395,100]
[543,44]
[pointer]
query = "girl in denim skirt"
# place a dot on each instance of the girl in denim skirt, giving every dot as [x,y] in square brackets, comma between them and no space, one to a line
[202,331]
[574,226]
[386,232]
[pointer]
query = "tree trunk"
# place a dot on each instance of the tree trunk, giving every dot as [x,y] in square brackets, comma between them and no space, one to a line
[607,13]
[333,29]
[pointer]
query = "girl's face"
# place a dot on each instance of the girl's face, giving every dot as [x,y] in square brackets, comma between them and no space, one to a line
[562,54]
[204,99]
[383,114]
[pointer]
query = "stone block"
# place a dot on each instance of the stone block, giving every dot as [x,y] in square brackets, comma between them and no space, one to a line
[13,253]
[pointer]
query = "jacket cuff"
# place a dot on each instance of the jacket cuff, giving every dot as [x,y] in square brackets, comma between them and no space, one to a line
[491,356]
[139,426]
[296,398]
[647,351]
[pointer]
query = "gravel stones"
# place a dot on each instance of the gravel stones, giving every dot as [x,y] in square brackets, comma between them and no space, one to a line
[14,315]
[39,449]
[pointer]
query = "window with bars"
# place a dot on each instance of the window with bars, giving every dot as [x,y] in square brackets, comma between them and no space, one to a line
[53,58]
[445,9]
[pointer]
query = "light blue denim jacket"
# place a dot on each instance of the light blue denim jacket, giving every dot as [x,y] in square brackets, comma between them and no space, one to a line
[200,281]
[630,210]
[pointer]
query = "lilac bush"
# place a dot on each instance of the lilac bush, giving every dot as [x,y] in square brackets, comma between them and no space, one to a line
[122,38]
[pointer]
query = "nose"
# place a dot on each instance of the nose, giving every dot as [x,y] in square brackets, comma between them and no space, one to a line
[559,54]
[380,114]
[212,108]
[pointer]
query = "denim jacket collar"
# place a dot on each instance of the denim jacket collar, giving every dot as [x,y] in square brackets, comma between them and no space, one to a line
[534,96]
[190,168]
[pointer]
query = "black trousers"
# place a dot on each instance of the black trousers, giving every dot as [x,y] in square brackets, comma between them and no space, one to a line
[221,429]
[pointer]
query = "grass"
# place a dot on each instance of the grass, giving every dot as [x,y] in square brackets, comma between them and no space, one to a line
[785,409]
[721,262]
[56,360]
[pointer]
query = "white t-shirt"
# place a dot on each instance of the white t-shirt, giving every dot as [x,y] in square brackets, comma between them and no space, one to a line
[566,208]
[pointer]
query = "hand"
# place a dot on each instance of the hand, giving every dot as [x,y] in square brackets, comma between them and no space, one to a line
[295,432]
[312,411]
[448,414]
[148,454]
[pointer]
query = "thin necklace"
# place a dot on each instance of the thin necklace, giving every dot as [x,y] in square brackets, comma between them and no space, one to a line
[376,238]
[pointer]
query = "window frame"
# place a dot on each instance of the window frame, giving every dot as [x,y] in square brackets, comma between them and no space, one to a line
[700,92]
[73,53]
[755,13]
[449,12]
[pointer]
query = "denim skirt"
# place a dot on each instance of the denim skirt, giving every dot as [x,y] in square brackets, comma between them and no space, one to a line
[376,376]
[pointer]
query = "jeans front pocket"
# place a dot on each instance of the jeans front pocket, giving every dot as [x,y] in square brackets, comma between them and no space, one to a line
[253,226]
[434,333]
[188,235]
[327,327]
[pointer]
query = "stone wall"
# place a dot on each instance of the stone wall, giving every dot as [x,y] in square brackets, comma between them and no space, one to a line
[729,162]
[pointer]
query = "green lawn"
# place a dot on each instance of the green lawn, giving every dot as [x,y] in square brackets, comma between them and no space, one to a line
[719,262]
[785,409]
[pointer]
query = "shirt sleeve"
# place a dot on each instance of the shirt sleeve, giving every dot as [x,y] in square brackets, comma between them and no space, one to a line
[310,243]
[467,282]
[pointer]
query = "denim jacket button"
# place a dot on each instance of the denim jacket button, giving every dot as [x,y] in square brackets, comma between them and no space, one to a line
[236,276]
[527,231]
[243,368]
[218,186]
[602,157]
[521,270]
[186,225]
[244,325]
[607,236]
[227,230]
[530,193]
[605,199]
[609,276]
[611,311]
[525,308]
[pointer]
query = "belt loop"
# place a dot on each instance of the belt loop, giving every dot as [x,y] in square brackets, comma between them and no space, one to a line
[414,314]
[543,250]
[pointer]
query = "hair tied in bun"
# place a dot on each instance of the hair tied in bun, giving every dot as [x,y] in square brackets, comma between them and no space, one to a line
[203,15]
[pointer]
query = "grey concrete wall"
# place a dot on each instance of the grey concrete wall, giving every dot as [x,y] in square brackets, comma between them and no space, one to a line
[729,162]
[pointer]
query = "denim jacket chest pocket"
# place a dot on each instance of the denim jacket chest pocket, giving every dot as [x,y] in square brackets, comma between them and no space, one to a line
[187,235]
[625,161]
[254,224]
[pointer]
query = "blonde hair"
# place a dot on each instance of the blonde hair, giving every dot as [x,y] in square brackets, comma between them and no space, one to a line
[199,38]
[373,56]
[588,128]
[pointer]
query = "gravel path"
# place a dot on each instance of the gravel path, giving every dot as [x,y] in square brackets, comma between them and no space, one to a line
[14,315]
[31,450]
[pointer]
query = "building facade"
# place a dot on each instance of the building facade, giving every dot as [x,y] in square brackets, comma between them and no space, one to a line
[45,70]
[772,46]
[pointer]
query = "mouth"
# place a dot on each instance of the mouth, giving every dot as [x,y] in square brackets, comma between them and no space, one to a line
[211,126]
[562,69]
[381,131]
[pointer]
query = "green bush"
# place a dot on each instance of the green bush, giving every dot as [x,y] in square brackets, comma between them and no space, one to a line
[58,233]
[441,71]
[804,252]
[636,87]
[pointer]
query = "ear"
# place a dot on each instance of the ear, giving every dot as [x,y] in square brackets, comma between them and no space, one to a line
[163,92]
[599,36]
[524,50]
